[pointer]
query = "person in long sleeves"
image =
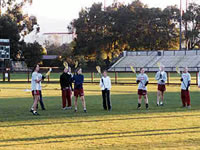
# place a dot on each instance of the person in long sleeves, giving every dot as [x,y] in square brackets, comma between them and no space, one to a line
[40,77]
[35,86]
[78,79]
[66,88]
[142,81]
[161,77]
[105,84]
[199,79]
[185,84]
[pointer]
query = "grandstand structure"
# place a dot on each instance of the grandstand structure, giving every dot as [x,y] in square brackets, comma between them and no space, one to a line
[150,59]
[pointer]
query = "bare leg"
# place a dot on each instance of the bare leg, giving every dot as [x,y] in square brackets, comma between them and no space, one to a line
[83,102]
[162,97]
[139,101]
[75,103]
[158,97]
[36,99]
[146,101]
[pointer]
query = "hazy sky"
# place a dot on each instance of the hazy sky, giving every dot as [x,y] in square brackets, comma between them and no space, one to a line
[55,15]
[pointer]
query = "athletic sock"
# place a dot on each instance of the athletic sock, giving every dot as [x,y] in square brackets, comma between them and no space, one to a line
[34,111]
[139,105]
[84,108]
[75,108]
[147,105]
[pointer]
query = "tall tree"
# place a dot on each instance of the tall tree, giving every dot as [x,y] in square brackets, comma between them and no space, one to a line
[191,20]
[13,11]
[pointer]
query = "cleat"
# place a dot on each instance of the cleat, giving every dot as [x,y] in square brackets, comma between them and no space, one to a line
[31,110]
[35,114]
[68,108]
[85,111]
[139,107]
[75,110]
[189,107]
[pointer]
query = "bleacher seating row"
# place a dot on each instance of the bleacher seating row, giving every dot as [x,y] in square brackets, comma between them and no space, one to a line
[19,66]
[170,59]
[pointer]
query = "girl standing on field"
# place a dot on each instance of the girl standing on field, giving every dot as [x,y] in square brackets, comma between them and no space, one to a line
[105,84]
[35,86]
[185,84]
[142,81]
[161,77]
[78,79]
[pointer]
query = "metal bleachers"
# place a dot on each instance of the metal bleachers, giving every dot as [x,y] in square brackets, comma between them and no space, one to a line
[170,59]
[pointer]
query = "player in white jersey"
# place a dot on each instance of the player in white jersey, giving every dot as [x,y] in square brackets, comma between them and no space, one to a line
[35,86]
[199,79]
[142,80]
[185,84]
[161,77]
[105,84]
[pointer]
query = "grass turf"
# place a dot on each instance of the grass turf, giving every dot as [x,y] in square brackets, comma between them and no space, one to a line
[168,127]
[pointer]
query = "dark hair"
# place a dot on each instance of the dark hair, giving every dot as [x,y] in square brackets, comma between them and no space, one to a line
[34,67]
[105,71]
[141,69]
[77,70]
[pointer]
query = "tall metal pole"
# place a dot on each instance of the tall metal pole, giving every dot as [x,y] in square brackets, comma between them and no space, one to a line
[186,34]
[180,40]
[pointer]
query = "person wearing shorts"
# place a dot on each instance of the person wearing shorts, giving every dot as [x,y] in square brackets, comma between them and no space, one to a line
[142,81]
[161,77]
[35,86]
[78,79]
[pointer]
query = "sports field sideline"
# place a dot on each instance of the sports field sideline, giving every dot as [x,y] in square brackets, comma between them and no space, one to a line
[125,127]
[122,77]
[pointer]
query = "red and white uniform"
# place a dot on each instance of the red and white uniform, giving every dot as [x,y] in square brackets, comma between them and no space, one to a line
[35,87]
[185,94]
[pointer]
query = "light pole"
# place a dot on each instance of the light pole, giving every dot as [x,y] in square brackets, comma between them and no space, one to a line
[180,34]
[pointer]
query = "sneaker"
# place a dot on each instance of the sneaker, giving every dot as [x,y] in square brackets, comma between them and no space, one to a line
[85,111]
[36,114]
[162,104]
[68,108]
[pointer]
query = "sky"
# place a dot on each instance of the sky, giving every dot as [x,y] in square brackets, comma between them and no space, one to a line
[55,15]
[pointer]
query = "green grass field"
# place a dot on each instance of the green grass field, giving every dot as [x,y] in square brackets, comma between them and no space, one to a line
[168,127]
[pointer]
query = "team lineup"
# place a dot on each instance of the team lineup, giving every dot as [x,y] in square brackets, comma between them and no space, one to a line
[67,79]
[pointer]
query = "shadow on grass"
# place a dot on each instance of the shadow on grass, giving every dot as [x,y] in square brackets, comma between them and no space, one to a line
[15,109]
[98,136]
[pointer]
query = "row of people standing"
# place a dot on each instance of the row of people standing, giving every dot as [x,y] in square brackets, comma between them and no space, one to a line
[66,80]
[161,77]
